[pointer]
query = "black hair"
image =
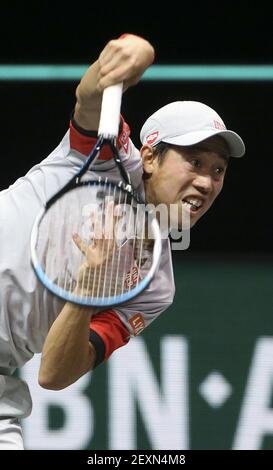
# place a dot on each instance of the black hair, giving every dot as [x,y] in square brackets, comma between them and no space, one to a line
[160,150]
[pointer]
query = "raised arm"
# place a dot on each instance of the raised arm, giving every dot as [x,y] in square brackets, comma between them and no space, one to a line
[122,60]
[67,352]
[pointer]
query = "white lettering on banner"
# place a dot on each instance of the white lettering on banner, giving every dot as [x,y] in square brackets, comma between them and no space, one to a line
[256,418]
[77,408]
[162,401]
[164,408]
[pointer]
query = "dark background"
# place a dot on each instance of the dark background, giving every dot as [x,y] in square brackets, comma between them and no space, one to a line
[35,115]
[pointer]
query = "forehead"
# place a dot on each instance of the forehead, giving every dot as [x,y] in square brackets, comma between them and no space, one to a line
[214,144]
[196,151]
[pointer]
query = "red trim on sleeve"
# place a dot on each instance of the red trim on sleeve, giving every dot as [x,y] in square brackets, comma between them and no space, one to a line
[111,330]
[84,144]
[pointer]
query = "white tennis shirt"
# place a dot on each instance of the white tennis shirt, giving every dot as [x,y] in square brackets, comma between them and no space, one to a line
[27,309]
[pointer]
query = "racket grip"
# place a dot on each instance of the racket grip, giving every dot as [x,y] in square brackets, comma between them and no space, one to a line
[110,111]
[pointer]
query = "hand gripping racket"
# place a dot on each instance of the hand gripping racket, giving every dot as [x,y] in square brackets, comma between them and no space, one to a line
[94,242]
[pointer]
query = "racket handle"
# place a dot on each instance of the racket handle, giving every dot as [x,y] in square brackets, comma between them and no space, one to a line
[110,111]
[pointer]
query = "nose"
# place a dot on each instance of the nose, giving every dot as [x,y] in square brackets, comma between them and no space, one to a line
[203,183]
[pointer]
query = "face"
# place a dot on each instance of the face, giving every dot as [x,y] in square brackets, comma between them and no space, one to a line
[186,181]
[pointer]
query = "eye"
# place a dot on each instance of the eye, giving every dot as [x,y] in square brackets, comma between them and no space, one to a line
[195,162]
[220,170]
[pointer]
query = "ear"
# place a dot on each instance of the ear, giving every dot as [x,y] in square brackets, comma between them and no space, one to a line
[149,159]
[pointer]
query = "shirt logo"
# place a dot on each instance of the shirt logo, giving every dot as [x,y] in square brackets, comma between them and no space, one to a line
[132,278]
[137,323]
[151,138]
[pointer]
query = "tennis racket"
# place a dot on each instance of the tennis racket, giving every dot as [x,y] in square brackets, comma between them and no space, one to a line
[94,242]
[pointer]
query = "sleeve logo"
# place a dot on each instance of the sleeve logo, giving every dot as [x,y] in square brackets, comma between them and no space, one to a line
[137,323]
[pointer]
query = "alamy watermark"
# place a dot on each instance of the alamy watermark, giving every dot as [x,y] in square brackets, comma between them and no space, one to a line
[124,221]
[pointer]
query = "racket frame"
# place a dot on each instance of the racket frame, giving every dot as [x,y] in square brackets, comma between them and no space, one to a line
[87,300]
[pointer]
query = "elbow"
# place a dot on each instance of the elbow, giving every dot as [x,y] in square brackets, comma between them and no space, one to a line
[52,377]
[49,383]
[57,382]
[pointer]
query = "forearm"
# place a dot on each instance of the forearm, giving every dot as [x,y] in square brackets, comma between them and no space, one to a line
[67,353]
[87,109]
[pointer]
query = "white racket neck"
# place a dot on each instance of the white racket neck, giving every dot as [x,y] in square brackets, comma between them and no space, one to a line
[110,112]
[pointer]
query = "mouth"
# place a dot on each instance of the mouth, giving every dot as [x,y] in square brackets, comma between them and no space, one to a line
[193,204]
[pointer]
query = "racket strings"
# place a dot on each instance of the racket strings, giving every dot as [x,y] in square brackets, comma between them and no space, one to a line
[111,228]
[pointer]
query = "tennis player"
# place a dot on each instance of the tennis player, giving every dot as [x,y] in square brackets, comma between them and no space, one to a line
[182,162]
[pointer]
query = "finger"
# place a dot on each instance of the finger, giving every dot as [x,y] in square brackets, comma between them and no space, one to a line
[106,53]
[79,243]
[97,233]
[112,48]
[115,76]
[119,68]
[113,62]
